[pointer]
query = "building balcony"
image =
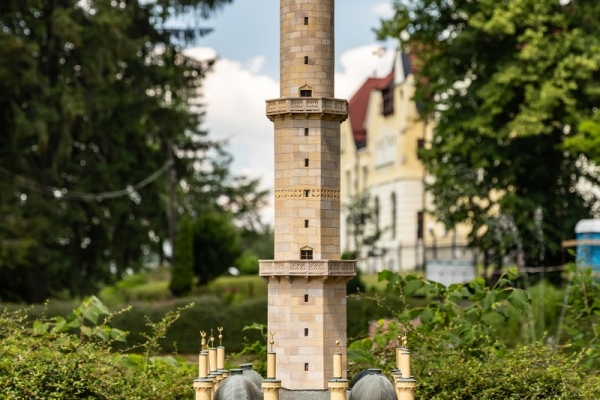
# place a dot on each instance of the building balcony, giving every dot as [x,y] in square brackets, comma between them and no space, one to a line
[307,105]
[307,268]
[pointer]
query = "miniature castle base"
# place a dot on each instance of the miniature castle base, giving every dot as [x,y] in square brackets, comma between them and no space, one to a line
[285,394]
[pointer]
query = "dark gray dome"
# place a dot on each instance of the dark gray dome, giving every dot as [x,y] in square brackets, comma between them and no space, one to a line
[373,386]
[358,377]
[252,374]
[238,387]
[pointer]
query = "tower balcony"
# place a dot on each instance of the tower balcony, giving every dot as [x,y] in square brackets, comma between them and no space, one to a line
[307,268]
[307,105]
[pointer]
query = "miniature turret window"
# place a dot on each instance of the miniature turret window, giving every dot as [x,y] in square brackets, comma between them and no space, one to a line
[305,59]
[306,223]
[306,254]
[306,162]
[305,131]
[305,20]
[306,90]
[307,193]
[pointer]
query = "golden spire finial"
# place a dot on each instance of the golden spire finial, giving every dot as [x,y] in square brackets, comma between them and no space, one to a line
[203,342]
[220,328]
[337,342]
[212,339]
[404,341]
[272,341]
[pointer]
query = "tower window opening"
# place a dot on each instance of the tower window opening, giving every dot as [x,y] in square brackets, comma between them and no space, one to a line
[306,162]
[306,254]
[306,193]
[306,93]
[305,59]
[306,223]
[305,131]
[306,366]
[305,331]
[306,298]
[305,20]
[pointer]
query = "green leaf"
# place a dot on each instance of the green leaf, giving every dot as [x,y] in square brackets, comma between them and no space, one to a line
[519,299]
[489,300]
[40,327]
[91,314]
[412,286]
[427,316]
[385,275]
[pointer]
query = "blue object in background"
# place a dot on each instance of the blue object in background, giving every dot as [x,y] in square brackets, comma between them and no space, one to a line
[587,233]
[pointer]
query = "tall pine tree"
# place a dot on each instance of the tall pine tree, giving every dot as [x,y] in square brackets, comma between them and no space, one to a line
[92,93]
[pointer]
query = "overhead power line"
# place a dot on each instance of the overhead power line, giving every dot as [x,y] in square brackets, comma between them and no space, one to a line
[65,194]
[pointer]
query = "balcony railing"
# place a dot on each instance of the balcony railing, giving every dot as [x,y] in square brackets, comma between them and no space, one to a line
[308,105]
[307,268]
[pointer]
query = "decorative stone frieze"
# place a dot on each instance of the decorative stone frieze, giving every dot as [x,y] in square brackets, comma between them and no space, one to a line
[314,193]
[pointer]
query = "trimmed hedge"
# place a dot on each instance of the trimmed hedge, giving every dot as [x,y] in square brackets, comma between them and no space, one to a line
[210,312]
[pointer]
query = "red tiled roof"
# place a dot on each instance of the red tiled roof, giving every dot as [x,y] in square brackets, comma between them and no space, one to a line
[358,104]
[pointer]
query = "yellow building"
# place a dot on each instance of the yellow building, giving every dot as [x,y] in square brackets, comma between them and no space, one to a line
[379,156]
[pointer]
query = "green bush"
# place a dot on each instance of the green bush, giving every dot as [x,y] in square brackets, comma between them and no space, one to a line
[44,361]
[465,343]
[208,312]
[182,277]
[526,372]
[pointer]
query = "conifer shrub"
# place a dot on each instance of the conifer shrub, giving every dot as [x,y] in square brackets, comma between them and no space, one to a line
[182,277]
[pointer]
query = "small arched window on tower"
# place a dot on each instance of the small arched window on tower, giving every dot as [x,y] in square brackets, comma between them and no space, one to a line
[306,253]
[305,91]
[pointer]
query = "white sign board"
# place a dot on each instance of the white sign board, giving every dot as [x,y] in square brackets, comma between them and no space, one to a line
[448,272]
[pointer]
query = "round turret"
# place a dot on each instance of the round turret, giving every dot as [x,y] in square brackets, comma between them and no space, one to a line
[373,386]
[238,387]
[252,374]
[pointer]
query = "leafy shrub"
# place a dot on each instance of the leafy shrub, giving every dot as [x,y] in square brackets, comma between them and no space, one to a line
[44,361]
[460,351]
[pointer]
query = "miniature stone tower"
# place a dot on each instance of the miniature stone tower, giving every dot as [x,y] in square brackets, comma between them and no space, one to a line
[307,280]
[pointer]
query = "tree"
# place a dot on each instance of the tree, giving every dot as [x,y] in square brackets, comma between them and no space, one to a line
[216,245]
[362,218]
[91,94]
[182,277]
[506,83]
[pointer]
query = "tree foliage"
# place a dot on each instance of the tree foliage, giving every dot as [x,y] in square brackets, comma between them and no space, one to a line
[506,83]
[95,96]
[363,222]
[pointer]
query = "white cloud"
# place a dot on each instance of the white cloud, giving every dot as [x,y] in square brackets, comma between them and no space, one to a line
[360,63]
[255,65]
[201,53]
[384,10]
[234,95]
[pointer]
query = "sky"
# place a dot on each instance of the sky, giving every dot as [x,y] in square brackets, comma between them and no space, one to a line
[245,41]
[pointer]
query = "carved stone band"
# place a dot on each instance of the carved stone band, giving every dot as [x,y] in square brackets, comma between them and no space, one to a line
[312,193]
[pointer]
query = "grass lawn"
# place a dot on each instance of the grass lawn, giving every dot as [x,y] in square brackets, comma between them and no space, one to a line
[245,286]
